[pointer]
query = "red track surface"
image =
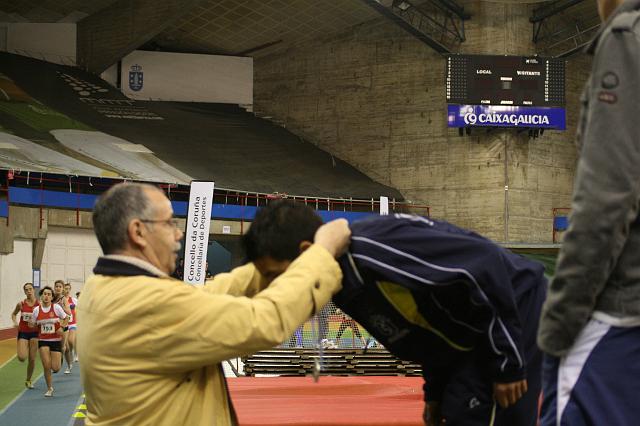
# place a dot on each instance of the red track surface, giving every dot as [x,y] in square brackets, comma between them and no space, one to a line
[335,401]
[8,333]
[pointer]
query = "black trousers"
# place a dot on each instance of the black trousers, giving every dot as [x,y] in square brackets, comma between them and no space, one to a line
[468,396]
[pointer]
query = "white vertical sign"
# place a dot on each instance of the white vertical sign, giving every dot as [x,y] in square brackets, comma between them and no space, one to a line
[196,235]
[35,280]
[384,206]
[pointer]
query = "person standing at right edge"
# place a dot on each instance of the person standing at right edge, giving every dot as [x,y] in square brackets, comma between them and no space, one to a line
[590,325]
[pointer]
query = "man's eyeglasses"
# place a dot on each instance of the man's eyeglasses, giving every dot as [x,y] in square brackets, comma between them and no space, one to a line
[173,223]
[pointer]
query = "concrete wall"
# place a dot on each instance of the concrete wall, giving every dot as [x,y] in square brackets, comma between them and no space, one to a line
[33,223]
[184,77]
[15,270]
[70,255]
[117,30]
[49,42]
[3,36]
[63,245]
[375,98]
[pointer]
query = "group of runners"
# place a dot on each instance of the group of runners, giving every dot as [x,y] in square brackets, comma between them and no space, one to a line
[47,325]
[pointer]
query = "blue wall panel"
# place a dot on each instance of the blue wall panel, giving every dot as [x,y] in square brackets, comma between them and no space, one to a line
[69,200]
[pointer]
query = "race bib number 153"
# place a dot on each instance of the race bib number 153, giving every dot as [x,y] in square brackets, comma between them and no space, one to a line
[47,328]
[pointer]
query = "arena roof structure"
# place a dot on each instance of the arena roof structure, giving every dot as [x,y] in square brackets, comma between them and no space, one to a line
[260,28]
[108,30]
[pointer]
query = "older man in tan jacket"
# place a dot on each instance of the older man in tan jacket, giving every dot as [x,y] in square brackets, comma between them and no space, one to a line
[151,347]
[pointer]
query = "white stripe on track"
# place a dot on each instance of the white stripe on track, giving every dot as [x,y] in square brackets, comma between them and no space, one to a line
[8,361]
[72,421]
[19,395]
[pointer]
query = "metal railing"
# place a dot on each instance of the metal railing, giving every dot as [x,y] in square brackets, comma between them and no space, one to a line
[175,192]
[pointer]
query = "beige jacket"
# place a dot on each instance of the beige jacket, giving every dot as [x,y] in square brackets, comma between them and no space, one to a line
[151,347]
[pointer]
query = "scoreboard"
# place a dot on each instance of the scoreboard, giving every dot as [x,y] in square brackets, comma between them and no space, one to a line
[505,91]
[505,80]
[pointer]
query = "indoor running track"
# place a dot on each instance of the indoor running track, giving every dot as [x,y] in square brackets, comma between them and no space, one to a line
[262,401]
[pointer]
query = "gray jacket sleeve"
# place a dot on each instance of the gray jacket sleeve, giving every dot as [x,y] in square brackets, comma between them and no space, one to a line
[606,191]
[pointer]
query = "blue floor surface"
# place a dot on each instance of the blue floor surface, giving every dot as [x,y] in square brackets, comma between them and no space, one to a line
[33,409]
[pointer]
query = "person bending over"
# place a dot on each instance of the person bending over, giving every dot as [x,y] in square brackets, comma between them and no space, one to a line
[464,308]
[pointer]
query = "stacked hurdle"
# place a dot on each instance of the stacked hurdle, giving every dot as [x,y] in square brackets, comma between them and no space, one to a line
[336,362]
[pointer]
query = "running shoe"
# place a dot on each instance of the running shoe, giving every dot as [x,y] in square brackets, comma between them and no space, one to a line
[67,371]
[75,358]
[28,384]
[49,392]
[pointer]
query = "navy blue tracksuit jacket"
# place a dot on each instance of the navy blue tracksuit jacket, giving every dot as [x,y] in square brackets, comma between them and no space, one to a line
[452,300]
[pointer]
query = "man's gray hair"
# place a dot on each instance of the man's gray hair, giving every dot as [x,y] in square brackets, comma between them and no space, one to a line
[115,209]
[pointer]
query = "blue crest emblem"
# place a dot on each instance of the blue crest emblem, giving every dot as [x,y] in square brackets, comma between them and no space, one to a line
[136,78]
